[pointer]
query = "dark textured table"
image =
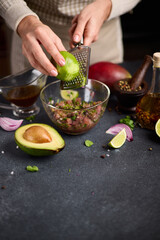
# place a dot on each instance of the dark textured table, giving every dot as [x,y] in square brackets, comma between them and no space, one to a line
[76,194]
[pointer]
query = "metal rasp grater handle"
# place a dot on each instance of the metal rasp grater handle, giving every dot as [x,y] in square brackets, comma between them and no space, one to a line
[79,43]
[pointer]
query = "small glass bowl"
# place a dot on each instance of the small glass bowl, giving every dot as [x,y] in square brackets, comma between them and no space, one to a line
[21,91]
[79,115]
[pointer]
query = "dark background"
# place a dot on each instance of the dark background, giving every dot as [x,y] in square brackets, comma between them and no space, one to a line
[140,33]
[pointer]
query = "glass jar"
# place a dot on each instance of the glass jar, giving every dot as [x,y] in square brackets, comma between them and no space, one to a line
[148,108]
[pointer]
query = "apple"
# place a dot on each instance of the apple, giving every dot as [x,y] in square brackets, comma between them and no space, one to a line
[108,73]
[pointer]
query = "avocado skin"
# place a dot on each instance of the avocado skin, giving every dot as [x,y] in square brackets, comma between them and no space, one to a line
[38,152]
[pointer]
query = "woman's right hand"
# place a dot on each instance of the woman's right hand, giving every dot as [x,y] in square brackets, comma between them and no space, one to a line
[34,34]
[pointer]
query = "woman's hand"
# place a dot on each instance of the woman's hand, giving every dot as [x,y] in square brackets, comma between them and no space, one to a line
[88,23]
[34,34]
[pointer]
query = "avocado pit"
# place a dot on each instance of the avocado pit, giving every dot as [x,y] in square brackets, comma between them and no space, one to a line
[37,134]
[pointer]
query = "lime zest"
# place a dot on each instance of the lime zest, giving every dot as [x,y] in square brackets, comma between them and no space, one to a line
[88,143]
[32,169]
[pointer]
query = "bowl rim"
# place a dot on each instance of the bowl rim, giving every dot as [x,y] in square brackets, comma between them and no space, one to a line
[19,74]
[56,108]
[117,90]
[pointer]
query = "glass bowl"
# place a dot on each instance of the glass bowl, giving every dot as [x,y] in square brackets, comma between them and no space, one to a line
[77,114]
[21,91]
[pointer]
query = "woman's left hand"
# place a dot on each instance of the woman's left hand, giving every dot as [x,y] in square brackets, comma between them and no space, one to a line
[89,22]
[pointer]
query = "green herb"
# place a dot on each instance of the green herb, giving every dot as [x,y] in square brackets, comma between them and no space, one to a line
[77,107]
[73,101]
[32,169]
[88,143]
[30,118]
[50,101]
[67,106]
[128,121]
[74,117]
[69,170]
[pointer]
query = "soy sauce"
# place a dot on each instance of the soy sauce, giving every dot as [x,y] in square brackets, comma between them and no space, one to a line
[23,96]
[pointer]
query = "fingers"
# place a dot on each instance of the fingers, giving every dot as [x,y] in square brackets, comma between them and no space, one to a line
[53,45]
[33,61]
[89,21]
[74,20]
[78,27]
[85,29]
[71,31]
[90,34]
[35,34]
[83,26]
[37,58]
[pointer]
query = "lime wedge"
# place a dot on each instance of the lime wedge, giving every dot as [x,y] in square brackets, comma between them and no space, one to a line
[69,94]
[157,128]
[70,70]
[118,140]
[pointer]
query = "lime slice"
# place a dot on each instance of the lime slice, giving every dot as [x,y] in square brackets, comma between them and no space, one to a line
[70,70]
[69,94]
[118,140]
[157,128]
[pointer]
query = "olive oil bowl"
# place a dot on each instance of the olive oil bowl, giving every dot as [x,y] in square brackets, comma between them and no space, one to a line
[21,92]
[75,111]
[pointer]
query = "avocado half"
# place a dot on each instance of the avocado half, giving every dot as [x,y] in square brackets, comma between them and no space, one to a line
[49,144]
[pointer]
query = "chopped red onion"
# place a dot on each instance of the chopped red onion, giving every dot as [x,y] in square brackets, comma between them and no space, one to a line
[10,124]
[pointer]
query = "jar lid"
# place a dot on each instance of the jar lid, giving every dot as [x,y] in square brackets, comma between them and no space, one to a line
[156,59]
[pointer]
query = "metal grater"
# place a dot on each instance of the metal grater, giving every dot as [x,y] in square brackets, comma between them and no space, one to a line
[82,54]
